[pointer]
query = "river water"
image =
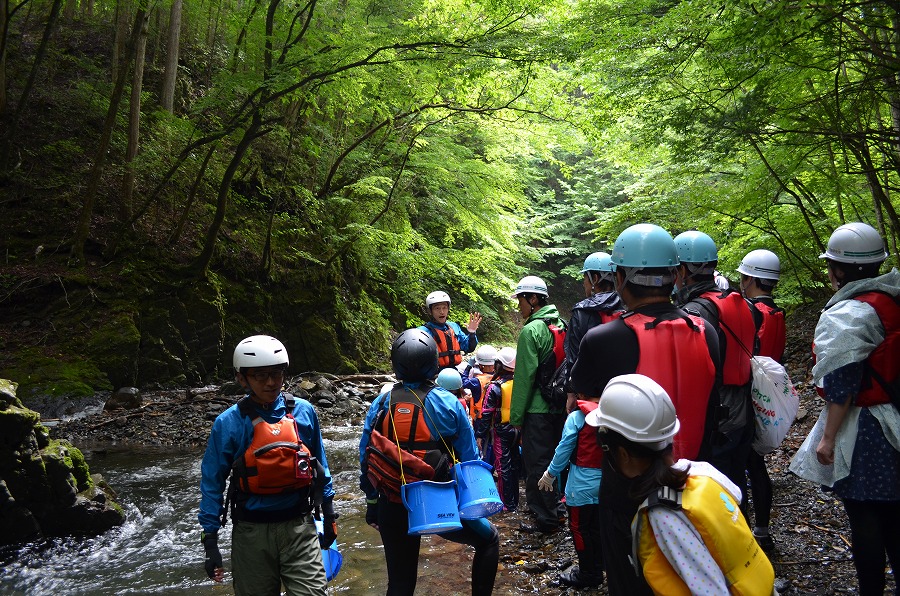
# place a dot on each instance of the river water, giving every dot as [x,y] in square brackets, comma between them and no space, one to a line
[157,550]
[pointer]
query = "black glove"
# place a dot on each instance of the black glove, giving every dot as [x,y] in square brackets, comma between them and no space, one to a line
[213,554]
[372,511]
[329,534]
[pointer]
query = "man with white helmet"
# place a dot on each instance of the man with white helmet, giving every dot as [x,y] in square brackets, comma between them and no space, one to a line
[601,304]
[660,341]
[448,336]
[854,448]
[760,271]
[540,342]
[271,445]
[728,313]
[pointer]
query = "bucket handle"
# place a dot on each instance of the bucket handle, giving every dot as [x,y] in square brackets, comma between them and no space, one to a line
[403,496]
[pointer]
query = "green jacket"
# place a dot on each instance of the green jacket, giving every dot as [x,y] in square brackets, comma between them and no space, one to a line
[535,342]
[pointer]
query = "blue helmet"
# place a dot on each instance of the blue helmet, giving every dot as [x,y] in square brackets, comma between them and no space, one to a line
[449,379]
[695,247]
[598,261]
[644,245]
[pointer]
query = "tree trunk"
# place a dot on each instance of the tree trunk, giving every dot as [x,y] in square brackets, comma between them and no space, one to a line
[4,10]
[201,263]
[134,121]
[121,38]
[13,123]
[167,95]
[83,225]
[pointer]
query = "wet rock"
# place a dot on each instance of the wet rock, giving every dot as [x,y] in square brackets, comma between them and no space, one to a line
[324,403]
[323,395]
[125,398]
[324,384]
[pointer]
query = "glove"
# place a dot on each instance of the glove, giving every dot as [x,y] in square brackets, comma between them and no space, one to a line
[372,512]
[329,534]
[213,555]
[546,482]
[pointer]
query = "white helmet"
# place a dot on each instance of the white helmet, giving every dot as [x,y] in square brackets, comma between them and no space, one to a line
[485,354]
[507,357]
[857,243]
[637,408]
[259,350]
[531,284]
[761,263]
[436,298]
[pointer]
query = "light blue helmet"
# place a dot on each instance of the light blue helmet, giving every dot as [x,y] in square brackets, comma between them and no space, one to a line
[598,261]
[449,379]
[696,247]
[644,245]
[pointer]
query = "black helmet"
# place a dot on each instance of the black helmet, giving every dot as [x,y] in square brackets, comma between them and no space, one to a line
[414,356]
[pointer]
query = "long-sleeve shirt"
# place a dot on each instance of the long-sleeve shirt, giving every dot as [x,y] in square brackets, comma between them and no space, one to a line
[583,484]
[535,342]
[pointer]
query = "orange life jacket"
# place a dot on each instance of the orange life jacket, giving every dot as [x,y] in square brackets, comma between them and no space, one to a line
[587,452]
[674,353]
[771,332]
[484,380]
[449,352]
[277,460]
[737,325]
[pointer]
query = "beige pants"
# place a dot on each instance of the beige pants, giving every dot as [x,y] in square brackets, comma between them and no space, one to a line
[266,556]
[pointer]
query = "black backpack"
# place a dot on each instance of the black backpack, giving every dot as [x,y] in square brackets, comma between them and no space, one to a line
[553,370]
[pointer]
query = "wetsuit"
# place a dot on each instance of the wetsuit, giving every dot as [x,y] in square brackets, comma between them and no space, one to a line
[502,441]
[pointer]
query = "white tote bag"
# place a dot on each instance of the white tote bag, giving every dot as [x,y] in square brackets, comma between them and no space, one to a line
[775,403]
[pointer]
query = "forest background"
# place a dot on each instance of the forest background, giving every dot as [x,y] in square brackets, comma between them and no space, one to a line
[177,175]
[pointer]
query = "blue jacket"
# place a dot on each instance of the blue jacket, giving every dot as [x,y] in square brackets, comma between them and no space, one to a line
[445,417]
[583,484]
[231,434]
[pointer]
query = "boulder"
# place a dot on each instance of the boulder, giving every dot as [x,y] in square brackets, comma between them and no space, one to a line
[124,398]
[45,486]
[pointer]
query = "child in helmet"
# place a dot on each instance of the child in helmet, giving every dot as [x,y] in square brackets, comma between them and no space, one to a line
[500,438]
[449,337]
[452,381]
[579,452]
[259,565]
[426,419]
[689,535]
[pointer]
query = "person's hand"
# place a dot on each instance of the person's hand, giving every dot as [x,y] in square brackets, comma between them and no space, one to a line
[474,322]
[546,482]
[329,534]
[372,512]
[213,564]
[825,451]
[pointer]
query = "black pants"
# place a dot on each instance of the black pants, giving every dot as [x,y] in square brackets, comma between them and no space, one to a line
[401,551]
[507,463]
[540,436]
[584,522]
[761,488]
[617,509]
[874,531]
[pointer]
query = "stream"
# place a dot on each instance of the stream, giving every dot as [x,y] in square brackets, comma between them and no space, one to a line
[157,550]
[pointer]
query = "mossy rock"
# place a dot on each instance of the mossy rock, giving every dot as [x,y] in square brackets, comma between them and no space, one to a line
[115,344]
[63,375]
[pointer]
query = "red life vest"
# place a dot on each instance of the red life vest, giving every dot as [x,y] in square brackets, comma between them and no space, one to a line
[449,352]
[885,359]
[607,316]
[674,353]
[401,448]
[587,453]
[737,325]
[771,332]
[277,460]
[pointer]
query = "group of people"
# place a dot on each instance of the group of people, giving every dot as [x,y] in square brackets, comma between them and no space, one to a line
[647,457]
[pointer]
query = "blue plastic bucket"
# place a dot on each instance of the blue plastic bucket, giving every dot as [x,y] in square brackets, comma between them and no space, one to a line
[478,495]
[432,506]
[331,556]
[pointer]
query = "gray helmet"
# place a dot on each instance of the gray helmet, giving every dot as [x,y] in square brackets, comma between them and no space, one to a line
[414,356]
